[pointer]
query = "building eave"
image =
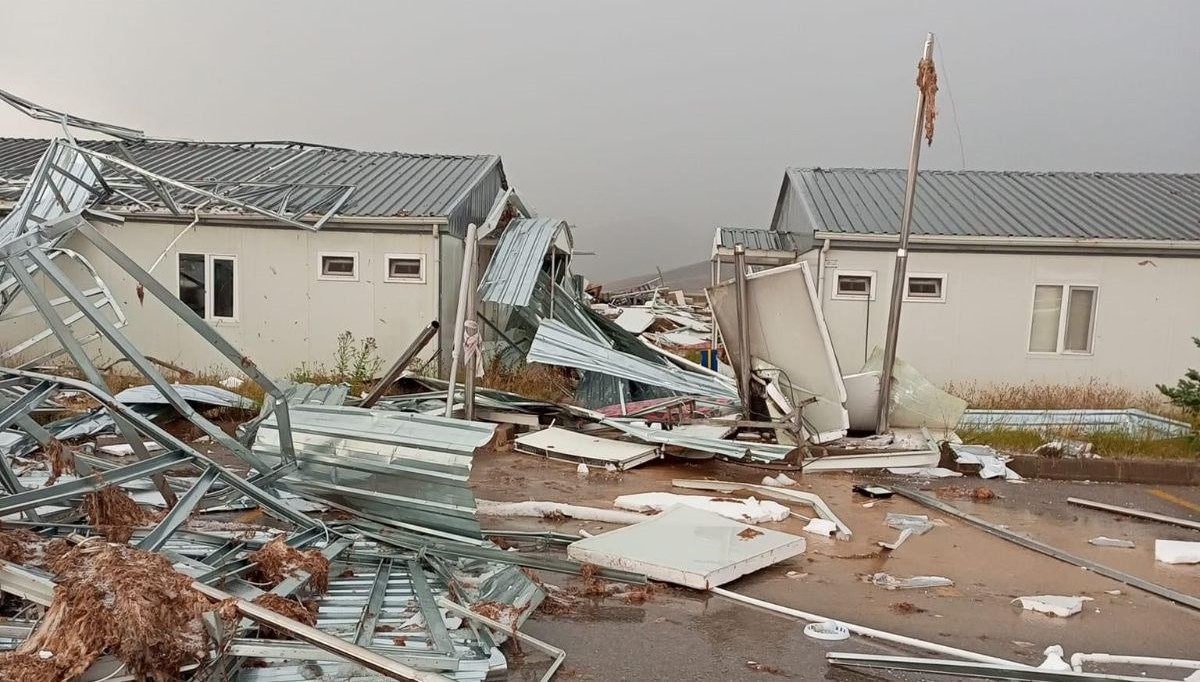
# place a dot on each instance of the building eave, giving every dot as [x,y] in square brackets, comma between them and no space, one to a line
[1049,245]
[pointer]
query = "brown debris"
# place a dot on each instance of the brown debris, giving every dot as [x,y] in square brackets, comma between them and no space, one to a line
[119,600]
[763,668]
[59,458]
[400,641]
[18,545]
[302,612]
[749,534]
[277,561]
[114,513]
[980,494]
[927,82]
[906,608]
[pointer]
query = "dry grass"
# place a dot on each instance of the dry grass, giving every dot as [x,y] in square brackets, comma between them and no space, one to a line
[1110,445]
[301,612]
[277,561]
[534,381]
[121,378]
[114,513]
[118,600]
[1090,395]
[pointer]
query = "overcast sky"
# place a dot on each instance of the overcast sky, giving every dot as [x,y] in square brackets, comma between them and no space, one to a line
[646,124]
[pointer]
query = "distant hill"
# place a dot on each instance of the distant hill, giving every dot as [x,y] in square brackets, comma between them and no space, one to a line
[694,277]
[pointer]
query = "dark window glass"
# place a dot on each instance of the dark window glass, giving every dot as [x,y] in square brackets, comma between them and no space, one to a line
[337,266]
[191,281]
[854,285]
[925,287]
[222,287]
[404,268]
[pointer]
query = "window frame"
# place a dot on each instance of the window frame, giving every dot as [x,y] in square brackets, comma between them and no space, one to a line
[1063,313]
[836,294]
[909,276]
[209,289]
[387,268]
[322,255]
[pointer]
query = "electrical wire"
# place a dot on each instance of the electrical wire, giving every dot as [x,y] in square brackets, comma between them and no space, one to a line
[945,75]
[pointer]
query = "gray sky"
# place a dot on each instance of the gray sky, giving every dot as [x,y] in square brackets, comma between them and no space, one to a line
[646,124]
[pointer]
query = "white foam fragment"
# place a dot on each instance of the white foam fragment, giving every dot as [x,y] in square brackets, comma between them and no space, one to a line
[1177,552]
[1054,605]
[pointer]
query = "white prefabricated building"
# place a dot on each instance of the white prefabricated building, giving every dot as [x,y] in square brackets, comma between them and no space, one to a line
[388,262]
[1013,277]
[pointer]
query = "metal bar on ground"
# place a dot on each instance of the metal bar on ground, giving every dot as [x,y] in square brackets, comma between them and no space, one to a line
[986,671]
[438,633]
[180,512]
[365,629]
[398,367]
[558,654]
[31,499]
[1048,550]
[864,631]
[1136,513]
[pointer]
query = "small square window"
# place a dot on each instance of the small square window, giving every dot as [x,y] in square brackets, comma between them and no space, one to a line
[855,285]
[341,266]
[208,285]
[1064,319]
[925,287]
[404,268]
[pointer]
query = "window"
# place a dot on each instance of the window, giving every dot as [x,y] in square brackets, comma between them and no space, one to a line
[338,265]
[404,267]
[208,285]
[926,287]
[855,285]
[1059,328]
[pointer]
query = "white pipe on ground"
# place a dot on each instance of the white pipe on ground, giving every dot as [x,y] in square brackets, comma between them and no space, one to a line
[539,509]
[868,632]
[1078,659]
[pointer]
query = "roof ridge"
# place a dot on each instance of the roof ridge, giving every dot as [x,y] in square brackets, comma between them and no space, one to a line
[261,144]
[989,171]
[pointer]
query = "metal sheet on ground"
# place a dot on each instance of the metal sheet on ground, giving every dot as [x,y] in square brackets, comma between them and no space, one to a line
[689,547]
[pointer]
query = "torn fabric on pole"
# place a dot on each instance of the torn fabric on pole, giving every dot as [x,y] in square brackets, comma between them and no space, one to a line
[557,344]
[787,330]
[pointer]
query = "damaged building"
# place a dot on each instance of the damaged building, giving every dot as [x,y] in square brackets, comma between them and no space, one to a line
[1012,276]
[374,245]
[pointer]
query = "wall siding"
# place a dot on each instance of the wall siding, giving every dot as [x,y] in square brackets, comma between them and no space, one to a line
[1146,314]
[287,316]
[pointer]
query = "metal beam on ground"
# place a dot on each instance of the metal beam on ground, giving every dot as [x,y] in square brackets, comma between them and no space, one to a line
[180,512]
[197,323]
[1048,550]
[127,348]
[364,631]
[31,499]
[71,345]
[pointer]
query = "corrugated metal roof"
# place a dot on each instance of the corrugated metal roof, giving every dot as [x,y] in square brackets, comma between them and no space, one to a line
[517,260]
[387,184]
[1154,206]
[762,240]
[558,344]
[411,468]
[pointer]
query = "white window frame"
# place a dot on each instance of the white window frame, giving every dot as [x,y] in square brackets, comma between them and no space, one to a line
[387,268]
[209,287]
[925,275]
[321,256]
[837,295]
[1064,309]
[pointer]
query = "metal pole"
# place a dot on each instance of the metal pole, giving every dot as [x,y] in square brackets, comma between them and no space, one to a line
[743,322]
[714,343]
[471,320]
[901,269]
[460,315]
[401,363]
